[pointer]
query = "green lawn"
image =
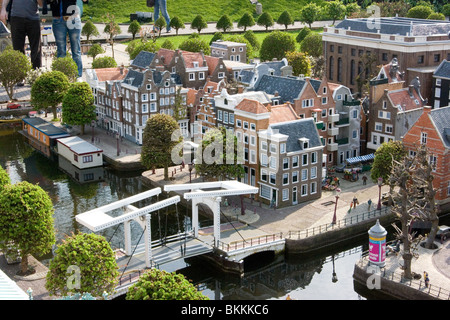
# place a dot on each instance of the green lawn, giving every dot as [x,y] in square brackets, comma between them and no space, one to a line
[211,10]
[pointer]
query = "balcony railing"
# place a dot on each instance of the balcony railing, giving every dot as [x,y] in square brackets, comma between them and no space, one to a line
[342,122]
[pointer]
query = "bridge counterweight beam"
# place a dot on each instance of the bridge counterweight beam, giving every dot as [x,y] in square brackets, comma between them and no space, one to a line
[148,241]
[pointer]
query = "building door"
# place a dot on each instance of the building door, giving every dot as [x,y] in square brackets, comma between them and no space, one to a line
[274,197]
[252,176]
[294,196]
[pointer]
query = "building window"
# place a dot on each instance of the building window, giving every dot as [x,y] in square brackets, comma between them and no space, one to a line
[330,71]
[273,162]
[314,157]
[273,148]
[304,191]
[385,56]
[352,72]
[448,188]
[294,176]
[191,76]
[285,163]
[283,148]
[378,126]
[313,172]
[313,187]
[285,179]
[437,57]
[420,59]
[285,194]
[273,178]
[264,175]
[423,137]
[87,159]
[304,174]
[389,128]
[265,192]
[304,159]
[339,70]
[295,162]
[264,145]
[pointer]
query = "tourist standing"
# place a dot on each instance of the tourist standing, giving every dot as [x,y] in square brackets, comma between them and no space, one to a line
[67,21]
[24,22]
[364,179]
[162,5]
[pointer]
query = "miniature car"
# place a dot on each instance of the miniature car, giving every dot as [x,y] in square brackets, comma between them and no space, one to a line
[13,106]
[444,232]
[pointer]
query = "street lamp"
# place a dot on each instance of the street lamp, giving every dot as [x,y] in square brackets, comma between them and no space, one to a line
[380,182]
[92,125]
[190,167]
[338,191]
[117,138]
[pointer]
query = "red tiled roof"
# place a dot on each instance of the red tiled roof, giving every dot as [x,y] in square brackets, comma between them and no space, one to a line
[106,74]
[190,57]
[282,113]
[402,98]
[212,63]
[167,54]
[252,106]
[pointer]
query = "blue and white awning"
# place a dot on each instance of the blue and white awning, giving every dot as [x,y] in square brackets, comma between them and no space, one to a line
[361,158]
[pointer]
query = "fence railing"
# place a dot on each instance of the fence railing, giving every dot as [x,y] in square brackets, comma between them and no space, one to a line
[432,290]
[250,242]
[301,234]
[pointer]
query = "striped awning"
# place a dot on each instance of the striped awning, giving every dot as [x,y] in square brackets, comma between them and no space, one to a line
[361,158]
[9,290]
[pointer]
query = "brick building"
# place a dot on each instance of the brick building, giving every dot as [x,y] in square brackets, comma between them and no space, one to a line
[433,130]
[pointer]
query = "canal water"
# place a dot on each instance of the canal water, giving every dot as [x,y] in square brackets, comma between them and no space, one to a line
[322,277]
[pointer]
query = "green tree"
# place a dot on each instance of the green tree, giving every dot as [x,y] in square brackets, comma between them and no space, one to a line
[195,45]
[335,10]
[134,27]
[217,36]
[312,44]
[309,14]
[48,91]
[199,23]
[246,21]
[67,66]
[299,62]
[26,220]
[436,16]
[446,10]
[265,20]
[250,36]
[167,44]
[90,255]
[112,28]
[285,19]
[177,24]
[302,34]
[224,23]
[78,105]
[219,157]
[14,67]
[95,50]
[104,62]
[275,45]
[157,284]
[89,29]
[352,8]
[384,157]
[160,24]
[136,46]
[4,178]
[157,142]
[419,12]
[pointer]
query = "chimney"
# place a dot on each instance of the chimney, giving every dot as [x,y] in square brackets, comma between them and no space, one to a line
[426,109]
[240,89]
[121,68]
[411,90]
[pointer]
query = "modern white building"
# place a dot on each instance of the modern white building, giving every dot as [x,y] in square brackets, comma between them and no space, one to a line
[79,152]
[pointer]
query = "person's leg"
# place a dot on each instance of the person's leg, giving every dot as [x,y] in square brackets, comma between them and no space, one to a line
[60,33]
[75,46]
[156,11]
[165,14]
[18,34]
[34,38]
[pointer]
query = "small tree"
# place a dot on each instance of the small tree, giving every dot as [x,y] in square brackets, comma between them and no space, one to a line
[285,19]
[219,156]
[250,36]
[302,34]
[26,220]
[167,44]
[104,62]
[134,27]
[195,45]
[199,23]
[78,105]
[177,24]
[225,24]
[157,142]
[299,62]
[436,16]
[419,12]
[309,14]
[276,45]
[265,20]
[82,263]
[67,66]
[48,91]
[160,24]
[14,67]
[179,110]
[312,44]
[112,28]
[335,10]
[446,10]
[246,21]
[157,284]
[217,36]
[89,29]
[95,50]
[4,178]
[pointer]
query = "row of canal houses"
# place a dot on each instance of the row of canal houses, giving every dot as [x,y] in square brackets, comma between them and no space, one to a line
[291,128]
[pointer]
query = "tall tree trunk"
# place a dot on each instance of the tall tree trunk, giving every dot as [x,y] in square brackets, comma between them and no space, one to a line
[24,263]
[166,172]
[55,115]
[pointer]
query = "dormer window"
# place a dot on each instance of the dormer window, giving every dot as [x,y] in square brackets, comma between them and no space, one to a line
[304,142]
[195,64]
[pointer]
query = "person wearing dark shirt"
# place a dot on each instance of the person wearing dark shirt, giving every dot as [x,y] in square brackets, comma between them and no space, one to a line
[67,21]
[24,22]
